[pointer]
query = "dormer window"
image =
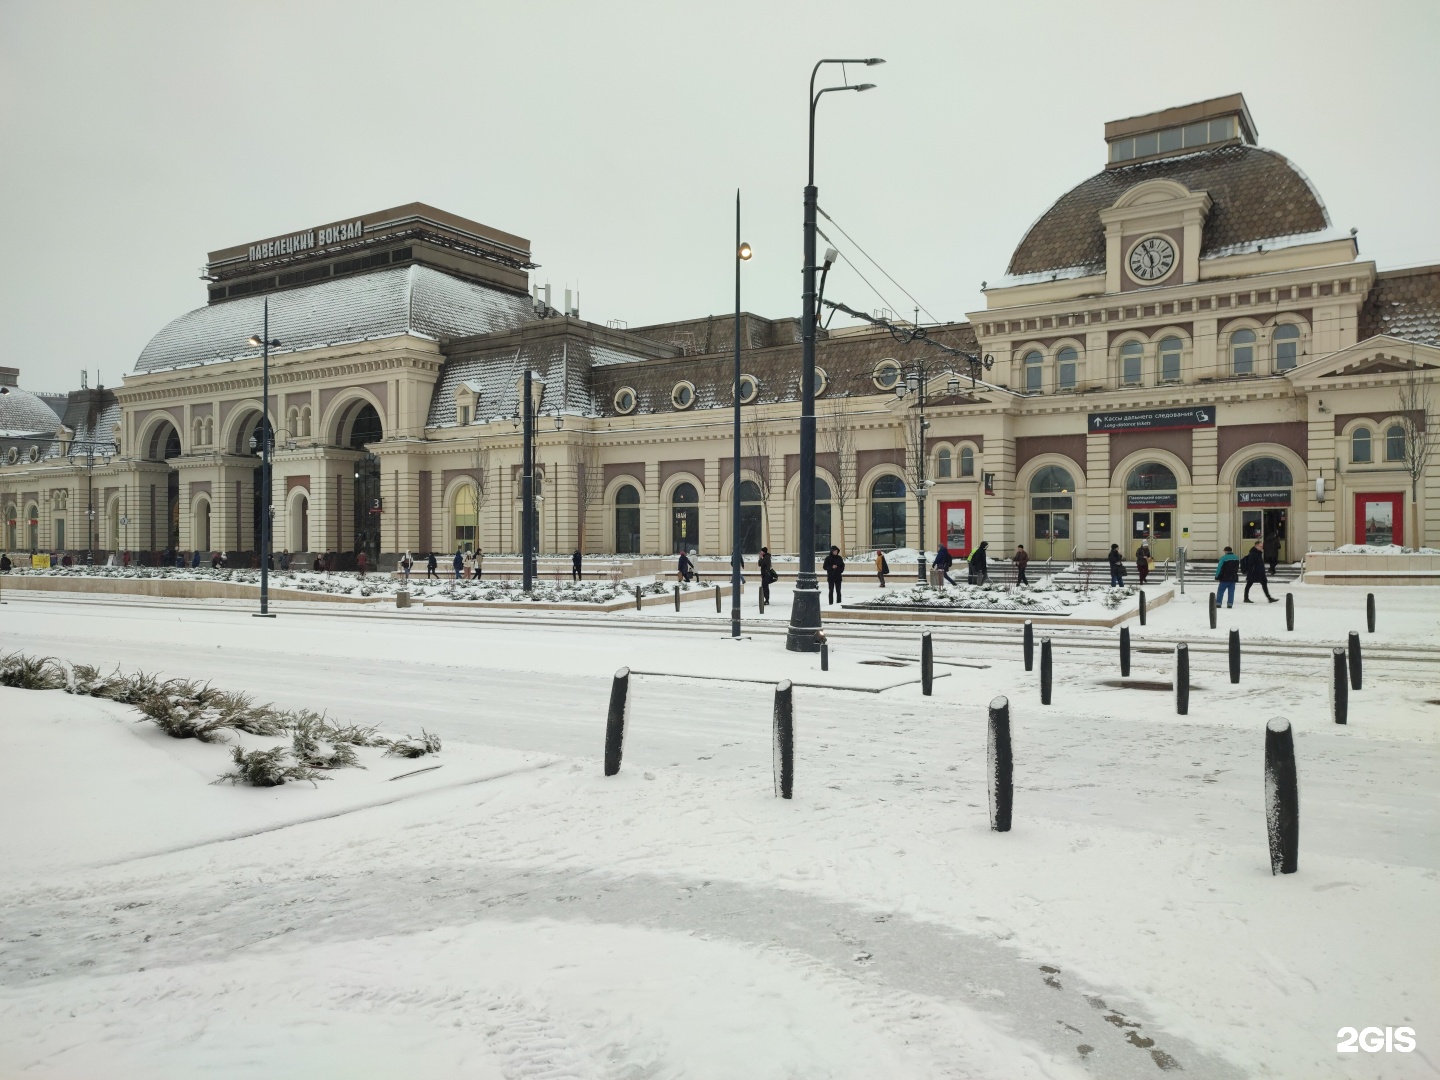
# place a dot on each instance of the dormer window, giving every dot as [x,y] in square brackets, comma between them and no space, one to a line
[1186,128]
[1167,140]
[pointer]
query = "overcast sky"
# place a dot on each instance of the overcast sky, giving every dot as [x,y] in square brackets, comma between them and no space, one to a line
[136,137]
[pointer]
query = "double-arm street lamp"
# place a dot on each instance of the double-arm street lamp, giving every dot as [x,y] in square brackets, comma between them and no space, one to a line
[265,343]
[742,254]
[89,455]
[804,631]
[916,375]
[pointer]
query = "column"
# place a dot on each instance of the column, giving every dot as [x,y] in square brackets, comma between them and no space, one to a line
[998,517]
[714,540]
[1324,520]
[1207,524]
[654,536]
[1094,541]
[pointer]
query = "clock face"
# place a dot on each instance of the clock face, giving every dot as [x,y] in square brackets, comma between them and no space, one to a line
[1151,259]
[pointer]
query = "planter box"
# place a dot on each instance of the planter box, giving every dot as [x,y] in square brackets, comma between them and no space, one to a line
[1333,568]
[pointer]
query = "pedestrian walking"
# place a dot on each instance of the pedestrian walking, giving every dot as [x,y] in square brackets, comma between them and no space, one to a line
[1143,561]
[479,563]
[431,565]
[834,567]
[942,562]
[1254,566]
[980,564]
[4,563]
[195,559]
[285,560]
[127,559]
[881,566]
[684,567]
[1117,565]
[458,563]
[469,563]
[362,561]
[1272,550]
[576,573]
[1227,573]
[1021,560]
[767,574]
[406,562]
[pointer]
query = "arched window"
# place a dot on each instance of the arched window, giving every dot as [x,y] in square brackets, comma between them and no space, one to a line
[752,526]
[1287,346]
[1131,357]
[1264,472]
[32,527]
[1360,446]
[1052,479]
[887,512]
[367,428]
[305,421]
[1066,366]
[684,518]
[967,461]
[1034,372]
[1170,349]
[942,465]
[1242,352]
[1395,443]
[467,517]
[1151,476]
[200,540]
[627,520]
[822,515]
[11,527]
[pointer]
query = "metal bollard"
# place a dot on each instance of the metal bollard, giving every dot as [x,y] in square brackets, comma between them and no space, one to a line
[1142,607]
[618,721]
[1355,679]
[1234,656]
[927,663]
[760,592]
[824,653]
[1001,765]
[784,743]
[1339,688]
[637,597]
[1370,611]
[1029,645]
[1212,611]
[717,599]
[1045,670]
[1289,611]
[1182,678]
[1125,652]
[1282,797]
[677,597]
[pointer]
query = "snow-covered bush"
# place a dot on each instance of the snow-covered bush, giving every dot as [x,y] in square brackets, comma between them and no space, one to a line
[412,747]
[266,768]
[31,672]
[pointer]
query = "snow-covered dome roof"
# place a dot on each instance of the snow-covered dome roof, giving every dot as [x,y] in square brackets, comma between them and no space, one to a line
[411,299]
[23,413]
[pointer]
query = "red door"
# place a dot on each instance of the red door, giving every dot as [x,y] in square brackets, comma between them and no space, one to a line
[957,528]
[1379,517]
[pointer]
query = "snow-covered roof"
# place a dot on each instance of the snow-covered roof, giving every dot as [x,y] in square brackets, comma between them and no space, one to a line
[415,300]
[23,413]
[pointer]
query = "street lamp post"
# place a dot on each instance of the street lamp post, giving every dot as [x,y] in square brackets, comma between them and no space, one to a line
[804,632]
[742,253]
[266,438]
[527,489]
[914,382]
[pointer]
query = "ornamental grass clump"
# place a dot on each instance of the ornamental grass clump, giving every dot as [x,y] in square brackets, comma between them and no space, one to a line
[315,746]
[411,747]
[31,672]
[266,768]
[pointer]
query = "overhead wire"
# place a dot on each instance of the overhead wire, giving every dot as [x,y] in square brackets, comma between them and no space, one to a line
[841,229]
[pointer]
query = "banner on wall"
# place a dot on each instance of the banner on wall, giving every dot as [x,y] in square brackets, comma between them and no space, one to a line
[1263,497]
[1150,419]
[1150,500]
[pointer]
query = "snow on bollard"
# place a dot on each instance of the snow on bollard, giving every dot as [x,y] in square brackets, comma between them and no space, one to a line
[1029,646]
[784,756]
[927,664]
[1182,679]
[824,652]
[1355,660]
[1282,797]
[1289,611]
[1125,652]
[618,721]
[1370,611]
[1339,688]
[1142,607]
[1045,670]
[1234,656]
[1212,611]
[1001,765]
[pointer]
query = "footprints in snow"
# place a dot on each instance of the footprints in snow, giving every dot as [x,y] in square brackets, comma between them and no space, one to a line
[1115,1017]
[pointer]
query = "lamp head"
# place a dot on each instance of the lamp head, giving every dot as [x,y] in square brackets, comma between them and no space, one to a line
[745,252]
[873,61]
[254,442]
[255,340]
[830,256]
[866,86]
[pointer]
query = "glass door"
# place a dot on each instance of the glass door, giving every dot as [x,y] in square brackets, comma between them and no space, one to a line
[1052,535]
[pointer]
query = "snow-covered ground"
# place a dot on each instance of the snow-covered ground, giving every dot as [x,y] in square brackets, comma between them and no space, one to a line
[514,913]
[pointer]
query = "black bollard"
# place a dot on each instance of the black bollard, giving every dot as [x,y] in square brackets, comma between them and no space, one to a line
[1282,797]
[1370,611]
[637,597]
[617,722]
[1029,645]
[1212,611]
[1142,607]
[1339,689]
[717,599]
[927,664]
[1182,678]
[824,653]
[1355,679]
[784,756]
[1289,611]
[1045,670]
[1001,765]
[760,592]
[677,597]
[1125,652]
[1234,656]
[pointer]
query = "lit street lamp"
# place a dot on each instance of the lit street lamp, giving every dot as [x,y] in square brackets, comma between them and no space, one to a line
[804,632]
[742,254]
[266,343]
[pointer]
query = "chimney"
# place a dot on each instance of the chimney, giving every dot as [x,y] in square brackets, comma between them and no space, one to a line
[9,376]
[547,294]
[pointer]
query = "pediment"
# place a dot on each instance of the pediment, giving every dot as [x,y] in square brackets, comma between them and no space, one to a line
[1152,192]
[1379,355]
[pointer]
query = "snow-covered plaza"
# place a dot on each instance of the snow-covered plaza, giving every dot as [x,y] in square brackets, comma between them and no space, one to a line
[515,913]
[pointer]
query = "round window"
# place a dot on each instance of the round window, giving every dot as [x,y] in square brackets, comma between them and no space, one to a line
[625,400]
[683,396]
[822,380]
[749,389]
[11,456]
[34,454]
[886,374]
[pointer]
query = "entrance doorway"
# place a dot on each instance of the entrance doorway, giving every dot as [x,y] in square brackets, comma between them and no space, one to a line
[685,519]
[1380,518]
[955,530]
[1051,491]
[367,507]
[1156,527]
[1263,523]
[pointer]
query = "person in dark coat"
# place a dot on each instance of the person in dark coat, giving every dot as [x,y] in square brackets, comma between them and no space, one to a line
[1143,561]
[943,561]
[980,564]
[363,563]
[1227,573]
[1272,550]
[834,567]
[685,567]
[1254,567]
[431,565]
[1117,565]
[458,562]
[1021,560]
[575,560]
[767,573]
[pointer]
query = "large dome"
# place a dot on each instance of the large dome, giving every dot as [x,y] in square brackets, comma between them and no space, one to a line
[23,413]
[1256,195]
